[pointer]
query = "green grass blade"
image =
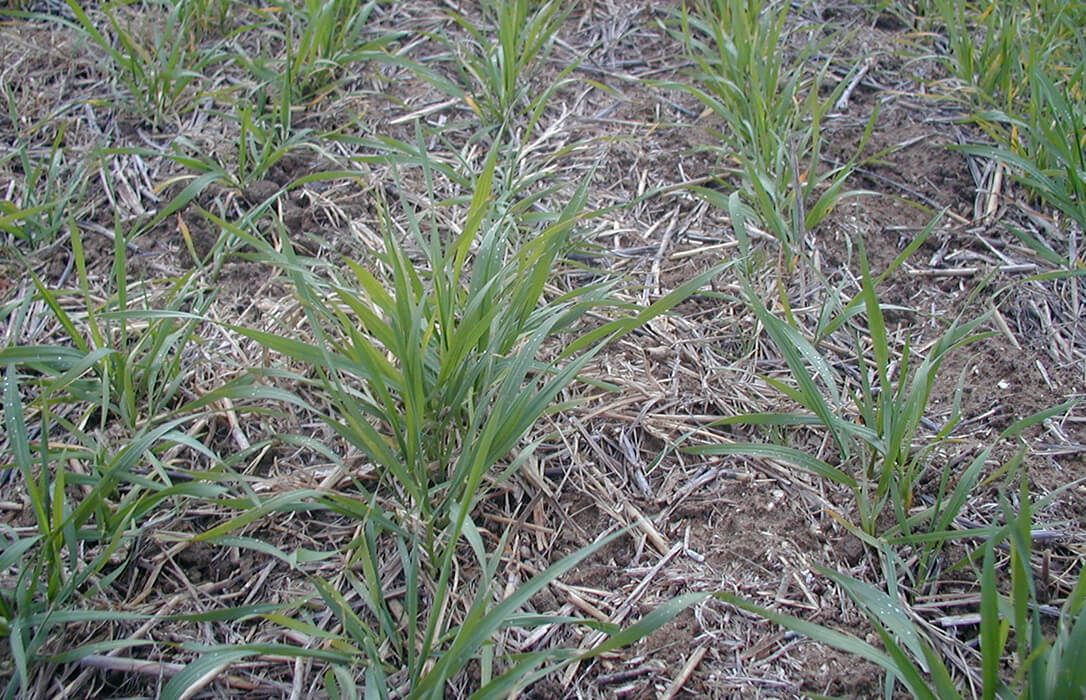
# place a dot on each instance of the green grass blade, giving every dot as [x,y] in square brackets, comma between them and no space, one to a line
[788,455]
[201,671]
[479,628]
[991,643]
[820,633]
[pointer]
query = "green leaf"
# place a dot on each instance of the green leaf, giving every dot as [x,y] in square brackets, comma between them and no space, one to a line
[991,644]
[478,628]
[820,633]
[289,501]
[788,455]
[197,673]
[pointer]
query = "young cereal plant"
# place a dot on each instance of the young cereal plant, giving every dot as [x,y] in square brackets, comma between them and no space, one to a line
[266,133]
[88,497]
[1022,63]
[499,61]
[205,19]
[323,37]
[95,433]
[501,71]
[145,339]
[159,71]
[1046,665]
[1047,156]
[886,445]
[47,195]
[995,46]
[1046,662]
[985,49]
[433,369]
[773,111]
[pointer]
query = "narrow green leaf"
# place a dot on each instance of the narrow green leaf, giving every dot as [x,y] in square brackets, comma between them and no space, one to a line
[291,500]
[991,647]
[820,633]
[210,664]
[778,452]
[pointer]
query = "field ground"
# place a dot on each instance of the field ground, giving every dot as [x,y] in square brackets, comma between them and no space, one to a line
[218,195]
